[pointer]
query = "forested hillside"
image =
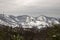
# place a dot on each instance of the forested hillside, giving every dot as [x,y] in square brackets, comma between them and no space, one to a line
[18,33]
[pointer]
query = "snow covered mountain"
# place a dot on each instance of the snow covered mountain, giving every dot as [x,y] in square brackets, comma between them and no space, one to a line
[28,21]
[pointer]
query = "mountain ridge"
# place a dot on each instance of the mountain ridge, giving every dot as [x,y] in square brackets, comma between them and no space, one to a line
[28,21]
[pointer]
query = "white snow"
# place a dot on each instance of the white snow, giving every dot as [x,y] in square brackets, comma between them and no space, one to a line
[29,22]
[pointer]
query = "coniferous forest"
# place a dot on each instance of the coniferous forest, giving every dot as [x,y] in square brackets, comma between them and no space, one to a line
[18,33]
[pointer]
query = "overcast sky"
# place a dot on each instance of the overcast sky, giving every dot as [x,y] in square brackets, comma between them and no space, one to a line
[30,7]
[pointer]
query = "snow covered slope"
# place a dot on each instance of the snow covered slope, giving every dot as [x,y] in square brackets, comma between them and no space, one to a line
[28,21]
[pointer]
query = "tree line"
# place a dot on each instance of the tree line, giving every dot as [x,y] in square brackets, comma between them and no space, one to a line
[19,33]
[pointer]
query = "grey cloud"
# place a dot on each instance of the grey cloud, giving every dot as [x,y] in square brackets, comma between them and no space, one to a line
[31,7]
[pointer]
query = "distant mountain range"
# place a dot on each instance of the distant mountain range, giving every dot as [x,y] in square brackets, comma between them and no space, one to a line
[28,21]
